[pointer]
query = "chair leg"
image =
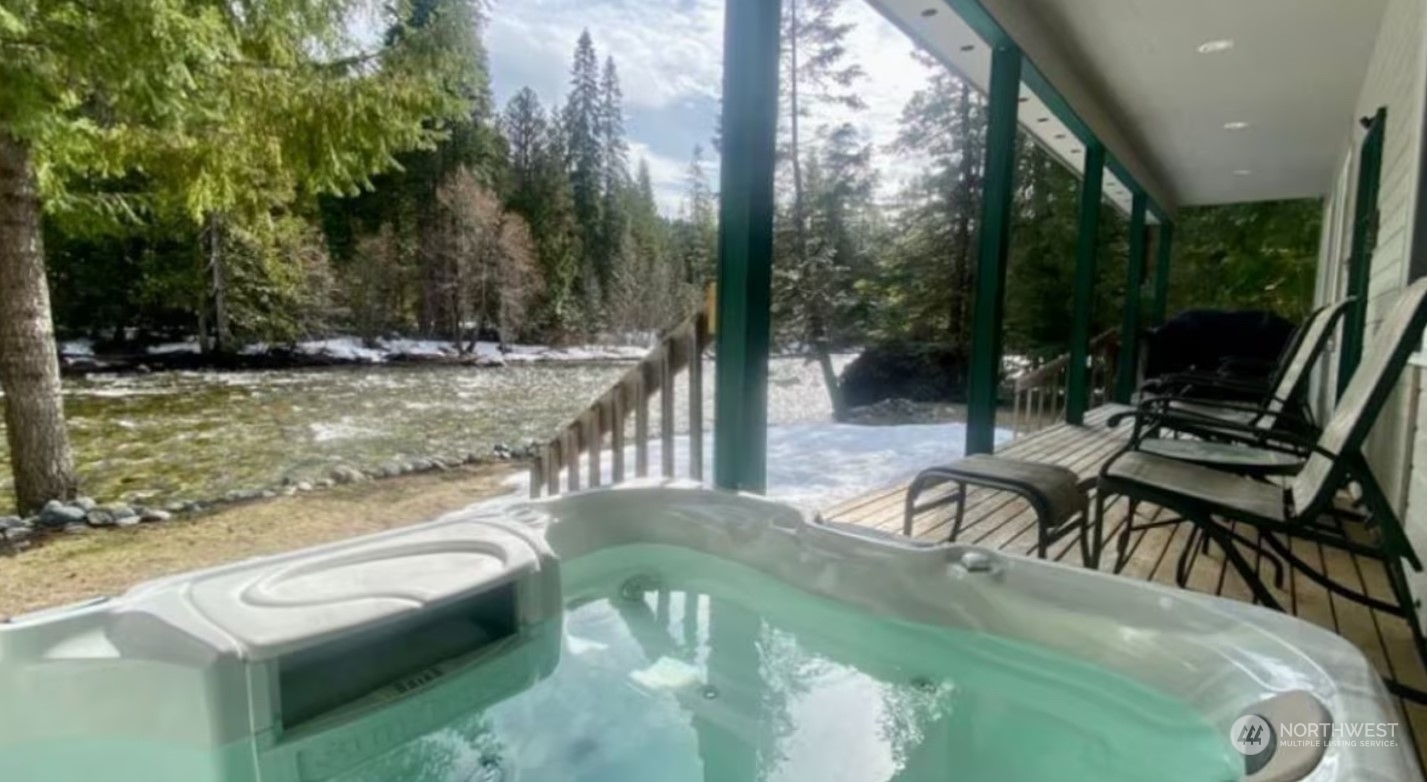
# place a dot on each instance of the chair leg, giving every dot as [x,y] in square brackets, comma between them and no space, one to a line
[1231,555]
[1121,554]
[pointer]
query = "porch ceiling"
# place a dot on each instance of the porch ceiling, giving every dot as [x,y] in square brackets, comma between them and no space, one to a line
[1133,73]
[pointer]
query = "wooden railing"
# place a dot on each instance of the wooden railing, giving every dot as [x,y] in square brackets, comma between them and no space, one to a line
[607,420]
[1039,393]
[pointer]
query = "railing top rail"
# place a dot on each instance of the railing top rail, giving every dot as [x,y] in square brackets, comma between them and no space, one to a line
[1049,370]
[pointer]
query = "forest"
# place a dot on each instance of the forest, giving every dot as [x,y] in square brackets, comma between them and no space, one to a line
[265,178]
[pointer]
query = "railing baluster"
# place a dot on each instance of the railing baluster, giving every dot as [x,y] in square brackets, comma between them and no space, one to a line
[678,349]
[641,423]
[552,468]
[572,457]
[594,441]
[616,433]
[696,398]
[666,412]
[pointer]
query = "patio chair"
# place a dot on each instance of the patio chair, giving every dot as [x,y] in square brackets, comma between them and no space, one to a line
[1211,422]
[1231,383]
[1282,396]
[1215,501]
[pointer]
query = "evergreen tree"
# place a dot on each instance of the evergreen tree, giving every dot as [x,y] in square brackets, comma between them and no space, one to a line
[557,234]
[700,216]
[925,285]
[208,113]
[584,149]
[526,134]
[614,184]
[815,70]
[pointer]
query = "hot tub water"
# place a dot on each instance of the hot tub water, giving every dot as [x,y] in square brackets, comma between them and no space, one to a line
[680,666]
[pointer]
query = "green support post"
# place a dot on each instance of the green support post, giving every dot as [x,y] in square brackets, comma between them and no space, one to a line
[1164,247]
[990,303]
[1355,320]
[1087,244]
[1134,280]
[745,242]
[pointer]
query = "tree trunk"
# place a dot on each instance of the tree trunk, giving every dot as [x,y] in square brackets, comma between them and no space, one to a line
[965,200]
[213,231]
[817,327]
[29,363]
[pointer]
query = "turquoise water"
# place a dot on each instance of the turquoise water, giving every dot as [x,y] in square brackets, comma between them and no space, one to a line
[679,666]
[673,666]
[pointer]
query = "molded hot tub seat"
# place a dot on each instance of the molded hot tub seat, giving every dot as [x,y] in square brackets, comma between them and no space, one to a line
[285,663]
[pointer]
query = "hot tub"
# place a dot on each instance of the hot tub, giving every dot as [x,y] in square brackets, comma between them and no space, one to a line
[661,632]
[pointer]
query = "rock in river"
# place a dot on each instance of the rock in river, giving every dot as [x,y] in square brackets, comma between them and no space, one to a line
[346,474]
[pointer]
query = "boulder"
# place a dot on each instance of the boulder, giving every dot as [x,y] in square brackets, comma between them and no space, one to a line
[154,514]
[345,474]
[914,371]
[303,486]
[85,503]
[57,514]
[120,510]
[17,534]
[99,517]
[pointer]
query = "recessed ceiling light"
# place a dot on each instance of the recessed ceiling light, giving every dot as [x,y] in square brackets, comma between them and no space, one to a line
[1242,172]
[1216,46]
[929,12]
[968,47]
[1235,125]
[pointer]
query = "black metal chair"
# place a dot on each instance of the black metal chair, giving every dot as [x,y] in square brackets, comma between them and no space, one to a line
[1215,500]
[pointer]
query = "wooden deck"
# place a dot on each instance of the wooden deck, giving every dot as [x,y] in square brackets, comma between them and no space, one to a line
[998,520]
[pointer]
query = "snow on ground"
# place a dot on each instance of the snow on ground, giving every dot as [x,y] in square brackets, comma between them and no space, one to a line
[77,348]
[814,466]
[186,346]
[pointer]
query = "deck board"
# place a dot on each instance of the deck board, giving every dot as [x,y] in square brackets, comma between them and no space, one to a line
[1003,521]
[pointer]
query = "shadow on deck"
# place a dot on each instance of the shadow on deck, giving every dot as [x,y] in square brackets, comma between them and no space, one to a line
[1000,521]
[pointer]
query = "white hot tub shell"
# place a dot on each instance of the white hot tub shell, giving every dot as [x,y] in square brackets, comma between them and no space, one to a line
[224,658]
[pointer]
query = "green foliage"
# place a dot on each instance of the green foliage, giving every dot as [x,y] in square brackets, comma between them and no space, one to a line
[1246,256]
[218,110]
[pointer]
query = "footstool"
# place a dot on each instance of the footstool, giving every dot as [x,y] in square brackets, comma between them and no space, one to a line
[1056,494]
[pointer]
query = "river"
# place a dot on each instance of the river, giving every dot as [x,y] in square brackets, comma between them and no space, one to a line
[170,436]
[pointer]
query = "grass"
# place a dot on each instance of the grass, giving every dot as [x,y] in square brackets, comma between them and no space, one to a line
[66,568]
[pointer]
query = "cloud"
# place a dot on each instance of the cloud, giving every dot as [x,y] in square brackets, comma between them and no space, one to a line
[670,58]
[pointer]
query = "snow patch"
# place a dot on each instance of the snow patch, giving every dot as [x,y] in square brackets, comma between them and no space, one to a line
[77,348]
[814,466]
[186,346]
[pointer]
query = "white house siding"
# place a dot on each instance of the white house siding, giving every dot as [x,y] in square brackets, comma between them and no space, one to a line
[1397,79]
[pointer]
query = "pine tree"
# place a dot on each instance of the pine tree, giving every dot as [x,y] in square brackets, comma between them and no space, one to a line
[557,234]
[700,214]
[614,183]
[526,134]
[928,273]
[584,150]
[815,69]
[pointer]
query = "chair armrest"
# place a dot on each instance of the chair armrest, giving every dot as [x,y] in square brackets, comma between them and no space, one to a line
[1268,439]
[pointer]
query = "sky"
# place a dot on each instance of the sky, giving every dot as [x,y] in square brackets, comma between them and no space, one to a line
[669,54]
